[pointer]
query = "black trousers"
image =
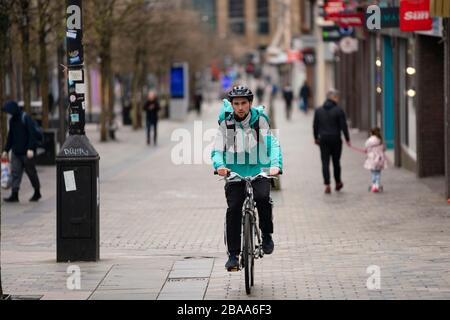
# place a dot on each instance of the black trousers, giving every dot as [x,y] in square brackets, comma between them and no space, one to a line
[152,123]
[235,194]
[19,164]
[331,147]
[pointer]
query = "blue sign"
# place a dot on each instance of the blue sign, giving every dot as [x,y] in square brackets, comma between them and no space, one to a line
[177,82]
[227,82]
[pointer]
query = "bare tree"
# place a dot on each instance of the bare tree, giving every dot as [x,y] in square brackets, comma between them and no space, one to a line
[5,24]
[104,19]
[21,13]
[49,16]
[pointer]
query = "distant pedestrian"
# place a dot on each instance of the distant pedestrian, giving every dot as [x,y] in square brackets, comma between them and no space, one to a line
[198,100]
[329,122]
[305,95]
[22,143]
[288,96]
[152,108]
[260,89]
[376,158]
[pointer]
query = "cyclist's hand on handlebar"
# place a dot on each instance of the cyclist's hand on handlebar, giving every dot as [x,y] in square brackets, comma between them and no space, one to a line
[223,172]
[274,171]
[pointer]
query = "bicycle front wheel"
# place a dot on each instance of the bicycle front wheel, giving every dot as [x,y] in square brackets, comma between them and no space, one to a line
[248,253]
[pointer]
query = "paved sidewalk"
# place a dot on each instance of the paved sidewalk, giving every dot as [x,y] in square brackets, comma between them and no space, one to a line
[162,229]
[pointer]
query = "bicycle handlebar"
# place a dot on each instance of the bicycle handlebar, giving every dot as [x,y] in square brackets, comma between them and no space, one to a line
[232,175]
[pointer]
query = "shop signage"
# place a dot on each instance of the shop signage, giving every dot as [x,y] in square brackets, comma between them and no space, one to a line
[415,15]
[377,18]
[347,19]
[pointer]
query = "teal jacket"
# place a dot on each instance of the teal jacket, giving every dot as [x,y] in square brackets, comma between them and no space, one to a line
[236,147]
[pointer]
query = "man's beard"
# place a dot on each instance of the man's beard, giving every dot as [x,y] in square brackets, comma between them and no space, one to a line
[238,118]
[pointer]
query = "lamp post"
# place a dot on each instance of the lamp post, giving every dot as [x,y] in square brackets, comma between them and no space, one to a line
[78,198]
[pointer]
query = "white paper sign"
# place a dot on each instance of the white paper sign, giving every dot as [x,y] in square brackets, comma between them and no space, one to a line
[80,88]
[76,75]
[69,180]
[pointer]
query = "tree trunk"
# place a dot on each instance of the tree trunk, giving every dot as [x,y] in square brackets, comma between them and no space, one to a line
[111,95]
[105,87]
[134,91]
[43,64]
[26,74]
[142,85]
[4,61]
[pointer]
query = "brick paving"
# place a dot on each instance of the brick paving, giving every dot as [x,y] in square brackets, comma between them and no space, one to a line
[162,228]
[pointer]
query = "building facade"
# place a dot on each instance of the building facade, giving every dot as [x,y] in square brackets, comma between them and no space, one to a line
[399,81]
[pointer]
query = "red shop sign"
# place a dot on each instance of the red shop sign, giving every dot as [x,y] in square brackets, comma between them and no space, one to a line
[333,7]
[415,15]
[347,19]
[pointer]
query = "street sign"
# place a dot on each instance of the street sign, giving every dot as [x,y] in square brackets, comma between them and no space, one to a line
[415,15]
[293,55]
[348,45]
[333,7]
[331,34]
[389,17]
[309,58]
[355,19]
[177,82]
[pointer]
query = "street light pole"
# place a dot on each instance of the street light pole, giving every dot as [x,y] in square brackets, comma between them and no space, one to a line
[78,198]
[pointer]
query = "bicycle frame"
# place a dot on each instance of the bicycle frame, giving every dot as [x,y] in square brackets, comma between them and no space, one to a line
[250,208]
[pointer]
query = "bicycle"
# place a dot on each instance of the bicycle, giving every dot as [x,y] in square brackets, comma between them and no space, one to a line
[250,228]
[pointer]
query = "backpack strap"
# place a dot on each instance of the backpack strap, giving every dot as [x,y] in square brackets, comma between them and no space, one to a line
[231,125]
[24,118]
[255,125]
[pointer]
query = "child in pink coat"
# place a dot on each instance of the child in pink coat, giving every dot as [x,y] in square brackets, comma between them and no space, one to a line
[376,158]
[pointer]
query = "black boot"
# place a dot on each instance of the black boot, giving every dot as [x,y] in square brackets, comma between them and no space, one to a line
[267,243]
[36,196]
[14,197]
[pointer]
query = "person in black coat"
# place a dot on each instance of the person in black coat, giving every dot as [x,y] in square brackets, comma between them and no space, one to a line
[288,96]
[22,144]
[152,108]
[329,122]
[305,94]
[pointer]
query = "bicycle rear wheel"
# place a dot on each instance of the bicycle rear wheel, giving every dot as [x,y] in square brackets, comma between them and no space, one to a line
[248,253]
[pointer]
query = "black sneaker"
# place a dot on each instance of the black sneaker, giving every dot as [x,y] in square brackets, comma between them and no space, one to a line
[13,198]
[267,243]
[36,196]
[232,263]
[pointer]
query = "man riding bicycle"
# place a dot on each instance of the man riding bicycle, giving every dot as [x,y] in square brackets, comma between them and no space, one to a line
[245,145]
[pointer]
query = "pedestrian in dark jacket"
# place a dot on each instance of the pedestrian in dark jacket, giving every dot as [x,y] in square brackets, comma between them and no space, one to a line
[288,96]
[305,94]
[152,108]
[22,142]
[329,122]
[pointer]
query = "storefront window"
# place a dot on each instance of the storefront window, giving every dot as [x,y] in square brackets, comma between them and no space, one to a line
[408,99]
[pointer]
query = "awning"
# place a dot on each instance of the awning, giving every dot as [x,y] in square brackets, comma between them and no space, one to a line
[440,8]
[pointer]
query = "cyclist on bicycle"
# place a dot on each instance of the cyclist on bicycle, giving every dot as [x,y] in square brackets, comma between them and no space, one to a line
[244,144]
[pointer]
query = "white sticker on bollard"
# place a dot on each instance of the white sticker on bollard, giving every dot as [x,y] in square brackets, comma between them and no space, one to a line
[69,180]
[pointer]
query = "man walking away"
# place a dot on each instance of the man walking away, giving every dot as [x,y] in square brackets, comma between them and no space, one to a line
[22,142]
[305,94]
[288,95]
[329,122]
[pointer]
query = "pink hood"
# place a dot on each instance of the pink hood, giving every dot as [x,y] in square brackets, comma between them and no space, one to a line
[373,141]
